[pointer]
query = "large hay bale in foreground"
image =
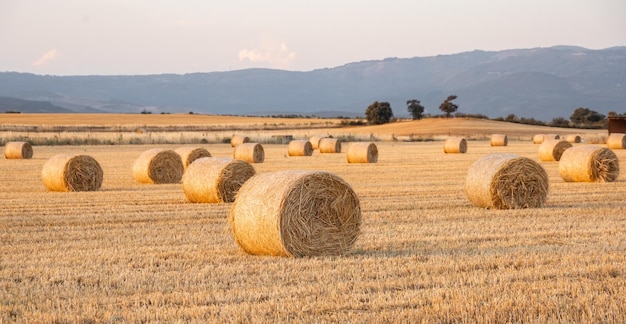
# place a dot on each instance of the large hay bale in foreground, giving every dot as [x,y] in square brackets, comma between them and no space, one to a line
[616,141]
[551,150]
[18,150]
[68,172]
[238,139]
[158,166]
[300,148]
[249,152]
[362,152]
[573,138]
[330,145]
[215,180]
[499,140]
[189,154]
[589,163]
[506,181]
[296,213]
[455,145]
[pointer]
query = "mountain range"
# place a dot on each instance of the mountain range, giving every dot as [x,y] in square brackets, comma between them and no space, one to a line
[540,83]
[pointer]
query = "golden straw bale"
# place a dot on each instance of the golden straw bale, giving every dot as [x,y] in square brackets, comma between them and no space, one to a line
[315,140]
[238,139]
[551,150]
[158,166]
[249,152]
[499,140]
[506,181]
[573,138]
[18,150]
[539,138]
[455,145]
[589,163]
[330,145]
[597,139]
[296,213]
[68,172]
[300,148]
[189,154]
[215,180]
[616,141]
[362,152]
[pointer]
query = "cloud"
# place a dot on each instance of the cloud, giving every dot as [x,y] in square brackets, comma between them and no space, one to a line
[277,55]
[47,57]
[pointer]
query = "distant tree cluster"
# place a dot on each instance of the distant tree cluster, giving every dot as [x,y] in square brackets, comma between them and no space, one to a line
[378,113]
[448,107]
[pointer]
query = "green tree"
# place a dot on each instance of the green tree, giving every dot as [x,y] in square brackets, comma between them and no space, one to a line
[415,108]
[585,116]
[448,107]
[378,113]
[559,122]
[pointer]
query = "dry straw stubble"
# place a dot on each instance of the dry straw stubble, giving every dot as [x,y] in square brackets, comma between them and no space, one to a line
[300,148]
[589,163]
[68,172]
[189,154]
[330,145]
[296,213]
[551,150]
[158,166]
[499,140]
[362,152]
[18,150]
[455,145]
[215,180]
[616,141]
[249,152]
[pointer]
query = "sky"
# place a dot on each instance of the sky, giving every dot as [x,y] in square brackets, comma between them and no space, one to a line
[130,37]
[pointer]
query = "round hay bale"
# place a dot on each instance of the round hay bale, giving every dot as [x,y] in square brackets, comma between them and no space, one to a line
[189,154]
[67,172]
[551,150]
[589,163]
[506,181]
[300,148]
[315,141]
[249,152]
[296,213]
[573,138]
[215,180]
[616,141]
[499,140]
[537,138]
[158,166]
[362,152]
[330,145]
[455,145]
[18,150]
[237,139]
[140,131]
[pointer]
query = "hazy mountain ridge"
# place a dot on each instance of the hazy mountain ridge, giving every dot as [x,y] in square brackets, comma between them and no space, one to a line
[542,83]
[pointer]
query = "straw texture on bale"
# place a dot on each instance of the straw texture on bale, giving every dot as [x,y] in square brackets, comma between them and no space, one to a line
[589,163]
[616,141]
[158,166]
[455,145]
[296,213]
[300,148]
[189,154]
[362,152]
[215,180]
[315,141]
[249,152]
[506,181]
[573,138]
[551,150]
[499,140]
[18,150]
[67,172]
[330,145]
[238,139]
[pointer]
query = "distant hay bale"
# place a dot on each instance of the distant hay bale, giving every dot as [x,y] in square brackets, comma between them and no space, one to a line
[362,152]
[18,150]
[67,172]
[597,139]
[238,139]
[589,163]
[455,145]
[215,180]
[249,152]
[158,166]
[189,154]
[551,150]
[315,140]
[616,141]
[539,138]
[573,138]
[506,181]
[330,145]
[296,213]
[140,131]
[499,140]
[300,148]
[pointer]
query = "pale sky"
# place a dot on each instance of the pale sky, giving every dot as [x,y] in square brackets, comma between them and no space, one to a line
[123,37]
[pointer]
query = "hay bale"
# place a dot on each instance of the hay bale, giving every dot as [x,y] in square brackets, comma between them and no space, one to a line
[499,140]
[249,152]
[589,163]
[455,145]
[539,138]
[573,138]
[616,141]
[506,181]
[215,180]
[330,145]
[18,150]
[189,154]
[315,140]
[158,166]
[362,152]
[597,139]
[551,150]
[300,148]
[296,213]
[238,139]
[67,172]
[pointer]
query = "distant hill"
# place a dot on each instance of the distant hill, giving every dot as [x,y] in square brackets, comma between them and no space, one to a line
[14,105]
[541,83]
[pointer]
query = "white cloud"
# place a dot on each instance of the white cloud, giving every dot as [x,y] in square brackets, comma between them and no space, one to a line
[277,55]
[47,57]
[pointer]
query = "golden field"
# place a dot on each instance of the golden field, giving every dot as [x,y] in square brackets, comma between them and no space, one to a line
[134,252]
